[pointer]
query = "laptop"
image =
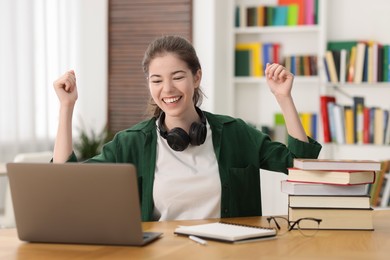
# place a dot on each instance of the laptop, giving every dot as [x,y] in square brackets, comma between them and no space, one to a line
[77,203]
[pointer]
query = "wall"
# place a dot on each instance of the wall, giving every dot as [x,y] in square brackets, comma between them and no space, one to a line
[91,60]
[210,41]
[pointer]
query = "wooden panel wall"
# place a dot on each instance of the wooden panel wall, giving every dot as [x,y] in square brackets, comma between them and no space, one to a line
[133,24]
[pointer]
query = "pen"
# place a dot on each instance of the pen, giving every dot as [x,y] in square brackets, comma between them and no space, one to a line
[198,240]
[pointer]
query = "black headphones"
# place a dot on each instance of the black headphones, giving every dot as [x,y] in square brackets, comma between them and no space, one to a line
[178,139]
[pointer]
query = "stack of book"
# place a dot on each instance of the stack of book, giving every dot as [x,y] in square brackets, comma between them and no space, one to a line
[335,191]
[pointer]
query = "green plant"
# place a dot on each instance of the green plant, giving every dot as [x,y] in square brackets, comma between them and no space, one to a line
[90,143]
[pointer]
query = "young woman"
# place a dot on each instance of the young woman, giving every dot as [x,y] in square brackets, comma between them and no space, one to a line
[191,164]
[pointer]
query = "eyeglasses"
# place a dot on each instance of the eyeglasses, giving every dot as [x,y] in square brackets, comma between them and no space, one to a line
[306,226]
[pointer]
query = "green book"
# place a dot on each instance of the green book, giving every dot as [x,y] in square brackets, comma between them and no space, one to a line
[242,63]
[386,65]
[292,15]
[280,130]
[339,45]
[270,15]
[237,17]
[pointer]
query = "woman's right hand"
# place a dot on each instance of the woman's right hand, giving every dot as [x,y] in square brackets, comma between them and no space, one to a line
[66,88]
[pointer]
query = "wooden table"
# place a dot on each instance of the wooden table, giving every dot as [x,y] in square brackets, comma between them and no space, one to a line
[326,244]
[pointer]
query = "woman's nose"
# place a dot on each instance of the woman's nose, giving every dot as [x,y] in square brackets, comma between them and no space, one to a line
[168,85]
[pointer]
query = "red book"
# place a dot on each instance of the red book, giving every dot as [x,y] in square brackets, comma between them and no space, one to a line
[276,53]
[324,100]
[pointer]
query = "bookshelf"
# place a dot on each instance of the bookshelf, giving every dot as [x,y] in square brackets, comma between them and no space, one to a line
[354,20]
[251,93]
[249,97]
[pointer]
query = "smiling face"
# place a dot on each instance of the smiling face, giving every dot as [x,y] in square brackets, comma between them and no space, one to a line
[183,58]
[172,85]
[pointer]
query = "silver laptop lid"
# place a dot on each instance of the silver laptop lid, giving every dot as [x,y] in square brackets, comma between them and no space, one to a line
[77,203]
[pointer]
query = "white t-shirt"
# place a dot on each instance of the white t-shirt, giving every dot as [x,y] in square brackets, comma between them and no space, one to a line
[186,184]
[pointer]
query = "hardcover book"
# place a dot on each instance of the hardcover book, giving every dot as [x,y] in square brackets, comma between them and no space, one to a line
[343,219]
[302,188]
[330,201]
[344,177]
[337,164]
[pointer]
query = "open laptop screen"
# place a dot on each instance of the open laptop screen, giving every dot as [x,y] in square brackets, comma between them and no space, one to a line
[78,203]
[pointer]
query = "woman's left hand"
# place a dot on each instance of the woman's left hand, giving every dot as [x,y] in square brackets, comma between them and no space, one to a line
[279,79]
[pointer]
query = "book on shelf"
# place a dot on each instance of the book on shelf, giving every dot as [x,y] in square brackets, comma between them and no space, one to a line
[336,164]
[260,15]
[310,12]
[351,65]
[292,15]
[366,125]
[300,6]
[359,62]
[284,13]
[329,201]
[343,66]
[342,219]
[304,188]
[378,126]
[349,125]
[280,130]
[255,48]
[280,15]
[342,177]
[242,60]
[358,107]
[339,123]
[301,65]
[376,189]
[227,232]
[309,123]
[251,16]
[332,121]
[324,100]
[342,51]
[331,67]
[362,125]
[386,63]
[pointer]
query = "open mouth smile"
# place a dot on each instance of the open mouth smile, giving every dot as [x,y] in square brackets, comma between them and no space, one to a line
[171,100]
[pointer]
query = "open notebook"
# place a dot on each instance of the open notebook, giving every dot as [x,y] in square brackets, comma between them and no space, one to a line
[78,203]
[227,232]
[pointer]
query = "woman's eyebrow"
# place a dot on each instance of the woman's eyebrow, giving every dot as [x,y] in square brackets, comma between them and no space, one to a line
[178,71]
[173,73]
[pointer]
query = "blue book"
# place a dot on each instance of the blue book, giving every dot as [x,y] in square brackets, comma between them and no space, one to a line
[293,65]
[280,15]
[314,126]
[267,53]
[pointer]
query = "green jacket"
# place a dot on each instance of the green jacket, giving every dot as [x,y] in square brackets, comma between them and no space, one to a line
[241,151]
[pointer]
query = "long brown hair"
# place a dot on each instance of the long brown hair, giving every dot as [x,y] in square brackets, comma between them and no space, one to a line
[184,50]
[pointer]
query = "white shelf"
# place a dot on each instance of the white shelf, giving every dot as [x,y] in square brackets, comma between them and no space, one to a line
[261,80]
[359,85]
[277,29]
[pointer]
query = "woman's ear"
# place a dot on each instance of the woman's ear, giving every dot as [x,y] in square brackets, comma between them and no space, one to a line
[198,77]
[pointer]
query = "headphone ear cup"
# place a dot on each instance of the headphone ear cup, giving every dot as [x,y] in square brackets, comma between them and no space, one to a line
[197,133]
[178,139]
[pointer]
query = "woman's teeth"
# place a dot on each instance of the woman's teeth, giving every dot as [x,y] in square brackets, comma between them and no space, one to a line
[171,100]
